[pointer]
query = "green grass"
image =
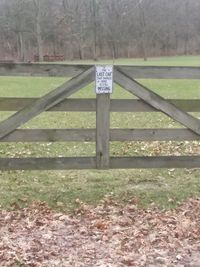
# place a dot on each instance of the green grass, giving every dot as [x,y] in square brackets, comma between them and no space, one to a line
[61,188]
[155,61]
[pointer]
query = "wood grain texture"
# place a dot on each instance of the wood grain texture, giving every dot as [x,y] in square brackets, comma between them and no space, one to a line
[102,131]
[157,101]
[160,72]
[153,135]
[155,162]
[137,105]
[89,105]
[51,135]
[67,70]
[90,163]
[47,101]
[64,163]
[89,135]
[34,69]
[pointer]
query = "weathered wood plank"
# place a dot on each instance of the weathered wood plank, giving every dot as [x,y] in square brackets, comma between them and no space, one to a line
[155,162]
[51,135]
[102,131]
[72,104]
[160,72]
[89,105]
[137,105]
[157,101]
[66,70]
[64,163]
[89,135]
[46,102]
[153,135]
[34,69]
[90,163]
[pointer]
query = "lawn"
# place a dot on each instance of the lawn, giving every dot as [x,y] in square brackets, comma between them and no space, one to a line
[156,61]
[61,189]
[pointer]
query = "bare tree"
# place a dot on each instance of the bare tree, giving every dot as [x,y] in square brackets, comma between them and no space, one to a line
[98,28]
[38,16]
[143,29]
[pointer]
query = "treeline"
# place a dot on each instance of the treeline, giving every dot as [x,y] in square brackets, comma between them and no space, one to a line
[82,29]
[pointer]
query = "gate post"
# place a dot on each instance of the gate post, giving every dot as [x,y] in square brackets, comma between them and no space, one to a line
[102,130]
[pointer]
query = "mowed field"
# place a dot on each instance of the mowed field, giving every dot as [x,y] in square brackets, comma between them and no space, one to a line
[61,189]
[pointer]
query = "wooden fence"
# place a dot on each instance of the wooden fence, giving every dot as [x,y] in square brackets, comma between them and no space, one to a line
[56,100]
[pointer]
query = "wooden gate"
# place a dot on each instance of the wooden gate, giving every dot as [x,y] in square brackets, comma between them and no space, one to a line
[56,100]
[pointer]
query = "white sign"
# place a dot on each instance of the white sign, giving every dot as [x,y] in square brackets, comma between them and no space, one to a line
[104,79]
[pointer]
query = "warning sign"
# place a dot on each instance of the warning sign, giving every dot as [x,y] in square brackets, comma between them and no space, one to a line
[104,79]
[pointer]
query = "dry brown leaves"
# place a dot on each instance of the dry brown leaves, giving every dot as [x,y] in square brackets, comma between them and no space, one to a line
[107,236]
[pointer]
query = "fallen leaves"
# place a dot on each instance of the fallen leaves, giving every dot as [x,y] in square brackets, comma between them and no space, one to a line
[157,148]
[108,235]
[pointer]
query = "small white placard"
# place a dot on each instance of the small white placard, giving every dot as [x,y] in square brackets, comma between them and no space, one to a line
[104,79]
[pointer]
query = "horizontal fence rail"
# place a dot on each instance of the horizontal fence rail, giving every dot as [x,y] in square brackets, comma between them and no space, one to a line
[68,163]
[89,135]
[89,105]
[82,163]
[82,75]
[43,70]
[67,70]
[151,72]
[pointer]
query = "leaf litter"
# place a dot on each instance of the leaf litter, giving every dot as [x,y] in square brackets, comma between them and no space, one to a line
[109,235]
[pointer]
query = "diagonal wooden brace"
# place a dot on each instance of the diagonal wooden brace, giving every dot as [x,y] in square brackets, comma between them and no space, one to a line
[156,101]
[47,101]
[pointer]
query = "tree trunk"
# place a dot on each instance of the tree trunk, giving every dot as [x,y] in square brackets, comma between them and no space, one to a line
[39,41]
[186,37]
[38,29]
[143,29]
[95,30]
[21,47]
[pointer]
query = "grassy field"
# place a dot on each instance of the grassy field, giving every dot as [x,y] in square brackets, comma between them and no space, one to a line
[61,189]
[156,61]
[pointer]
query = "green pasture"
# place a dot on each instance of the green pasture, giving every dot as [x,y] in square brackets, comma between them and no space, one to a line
[61,189]
[156,61]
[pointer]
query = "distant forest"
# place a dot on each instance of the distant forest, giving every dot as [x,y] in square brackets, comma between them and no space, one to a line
[83,29]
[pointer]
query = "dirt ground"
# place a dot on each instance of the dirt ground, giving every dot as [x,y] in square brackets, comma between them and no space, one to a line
[109,235]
